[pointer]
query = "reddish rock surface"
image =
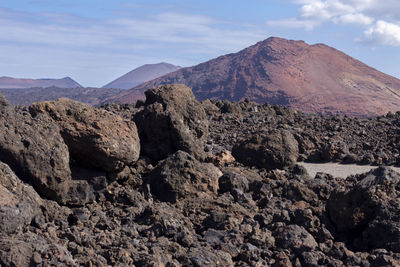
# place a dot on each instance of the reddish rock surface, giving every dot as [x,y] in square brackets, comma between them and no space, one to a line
[312,78]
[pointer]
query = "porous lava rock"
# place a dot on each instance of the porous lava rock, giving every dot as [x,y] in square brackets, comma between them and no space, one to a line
[334,150]
[33,250]
[296,238]
[367,214]
[95,137]
[276,150]
[172,120]
[35,151]
[231,181]
[19,202]
[180,175]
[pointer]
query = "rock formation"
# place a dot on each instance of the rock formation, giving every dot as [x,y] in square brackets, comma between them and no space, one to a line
[95,137]
[276,150]
[180,120]
[193,204]
[181,174]
[19,202]
[35,150]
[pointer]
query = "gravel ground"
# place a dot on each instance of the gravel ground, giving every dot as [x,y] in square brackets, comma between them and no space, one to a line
[338,170]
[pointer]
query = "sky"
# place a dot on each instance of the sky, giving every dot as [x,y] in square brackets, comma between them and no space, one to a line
[96,41]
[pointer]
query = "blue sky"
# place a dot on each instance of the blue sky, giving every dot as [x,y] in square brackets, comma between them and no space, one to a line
[96,41]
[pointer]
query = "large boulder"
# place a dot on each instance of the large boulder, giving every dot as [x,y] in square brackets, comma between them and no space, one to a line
[35,150]
[172,120]
[367,215]
[276,150]
[19,202]
[181,175]
[96,138]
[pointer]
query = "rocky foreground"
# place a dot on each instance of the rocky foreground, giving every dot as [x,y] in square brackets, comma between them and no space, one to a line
[175,182]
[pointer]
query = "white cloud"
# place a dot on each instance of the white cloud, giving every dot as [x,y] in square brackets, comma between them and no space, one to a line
[323,10]
[384,33]
[379,19]
[359,18]
[200,31]
[77,32]
[76,41]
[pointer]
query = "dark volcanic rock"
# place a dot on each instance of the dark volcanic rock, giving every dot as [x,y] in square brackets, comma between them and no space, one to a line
[80,193]
[172,120]
[296,238]
[35,150]
[207,257]
[277,149]
[3,103]
[19,202]
[231,181]
[335,150]
[368,213]
[95,137]
[181,175]
[33,250]
[184,212]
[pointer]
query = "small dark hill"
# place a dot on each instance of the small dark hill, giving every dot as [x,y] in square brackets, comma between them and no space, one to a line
[142,74]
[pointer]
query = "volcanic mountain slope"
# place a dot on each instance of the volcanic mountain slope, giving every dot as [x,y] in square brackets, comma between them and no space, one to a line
[11,83]
[25,97]
[312,78]
[142,74]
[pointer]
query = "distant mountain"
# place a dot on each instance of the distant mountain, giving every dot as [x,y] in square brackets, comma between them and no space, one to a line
[142,74]
[312,78]
[92,96]
[10,83]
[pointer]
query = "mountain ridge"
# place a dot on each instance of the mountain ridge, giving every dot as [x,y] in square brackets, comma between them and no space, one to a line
[312,78]
[141,74]
[24,83]
[27,96]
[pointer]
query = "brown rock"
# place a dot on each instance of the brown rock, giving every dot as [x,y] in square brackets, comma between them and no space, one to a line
[221,158]
[181,175]
[276,150]
[210,108]
[95,137]
[296,238]
[334,150]
[172,120]
[204,257]
[35,150]
[368,213]
[19,202]
[28,249]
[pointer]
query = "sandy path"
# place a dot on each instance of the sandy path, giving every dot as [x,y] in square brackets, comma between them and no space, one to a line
[338,170]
